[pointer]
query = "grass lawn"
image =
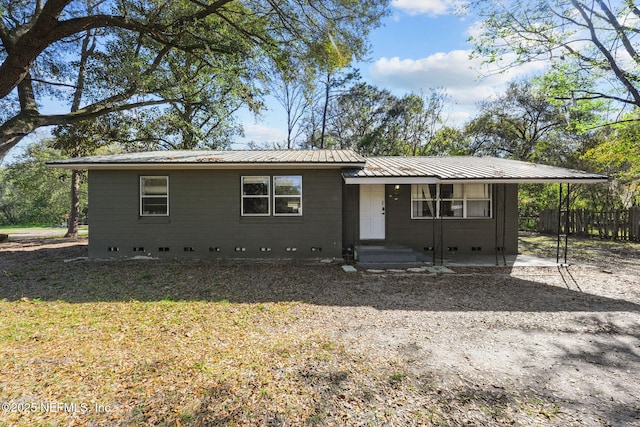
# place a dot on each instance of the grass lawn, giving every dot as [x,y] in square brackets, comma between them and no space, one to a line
[132,343]
[165,362]
[39,230]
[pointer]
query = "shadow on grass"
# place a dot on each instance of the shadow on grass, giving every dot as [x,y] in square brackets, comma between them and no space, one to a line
[42,274]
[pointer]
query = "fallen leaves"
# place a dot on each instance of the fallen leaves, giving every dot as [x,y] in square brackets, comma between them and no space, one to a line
[224,343]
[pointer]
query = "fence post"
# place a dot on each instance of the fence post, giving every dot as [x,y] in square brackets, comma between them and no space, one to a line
[634,224]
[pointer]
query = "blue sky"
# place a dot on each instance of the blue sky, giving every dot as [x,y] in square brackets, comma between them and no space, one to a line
[422,45]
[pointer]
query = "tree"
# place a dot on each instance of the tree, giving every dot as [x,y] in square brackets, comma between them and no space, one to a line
[201,101]
[33,193]
[450,141]
[83,139]
[357,115]
[373,121]
[40,37]
[414,121]
[594,41]
[293,89]
[333,56]
[521,124]
[72,139]
[617,153]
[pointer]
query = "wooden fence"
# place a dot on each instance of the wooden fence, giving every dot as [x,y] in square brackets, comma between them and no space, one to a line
[615,225]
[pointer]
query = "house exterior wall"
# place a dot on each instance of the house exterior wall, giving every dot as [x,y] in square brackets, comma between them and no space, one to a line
[462,234]
[205,215]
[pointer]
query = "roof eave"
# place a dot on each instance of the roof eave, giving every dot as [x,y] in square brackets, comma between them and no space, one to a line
[391,180]
[435,180]
[203,165]
[524,180]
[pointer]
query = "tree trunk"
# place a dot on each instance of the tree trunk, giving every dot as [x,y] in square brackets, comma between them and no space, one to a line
[327,92]
[74,214]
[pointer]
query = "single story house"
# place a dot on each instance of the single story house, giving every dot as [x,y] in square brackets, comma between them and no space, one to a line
[303,203]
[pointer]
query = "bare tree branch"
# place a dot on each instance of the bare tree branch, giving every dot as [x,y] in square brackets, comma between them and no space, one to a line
[613,63]
[611,18]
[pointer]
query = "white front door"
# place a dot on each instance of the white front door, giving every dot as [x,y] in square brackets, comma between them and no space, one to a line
[372,211]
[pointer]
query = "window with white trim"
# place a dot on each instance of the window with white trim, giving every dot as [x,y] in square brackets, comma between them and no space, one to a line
[450,201]
[287,195]
[478,200]
[423,200]
[255,196]
[154,196]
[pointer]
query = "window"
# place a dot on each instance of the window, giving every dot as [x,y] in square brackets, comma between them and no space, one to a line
[257,191]
[255,195]
[478,198]
[154,196]
[451,201]
[287,195]
[422,200]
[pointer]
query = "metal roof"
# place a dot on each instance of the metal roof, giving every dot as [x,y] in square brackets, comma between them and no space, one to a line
[397,170]
[216,159]
[357,169]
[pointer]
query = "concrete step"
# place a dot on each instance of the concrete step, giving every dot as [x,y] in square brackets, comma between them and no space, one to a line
[384,257]
[387,265]
[383,249]
[395,257]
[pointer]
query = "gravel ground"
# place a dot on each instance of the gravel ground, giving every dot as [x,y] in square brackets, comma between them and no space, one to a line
[562,340]
[570,337]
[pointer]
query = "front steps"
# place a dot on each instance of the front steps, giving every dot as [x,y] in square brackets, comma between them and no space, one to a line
[383,257]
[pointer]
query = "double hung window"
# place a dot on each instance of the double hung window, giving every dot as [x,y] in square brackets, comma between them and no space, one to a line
[478,199]
[255,195]
[287,195]
[452,200]
[423,200]
[154,196]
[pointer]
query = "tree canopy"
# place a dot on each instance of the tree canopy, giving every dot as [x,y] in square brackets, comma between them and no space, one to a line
[374,121]
[139,43]
[592,41]
[30,192]
[521,124]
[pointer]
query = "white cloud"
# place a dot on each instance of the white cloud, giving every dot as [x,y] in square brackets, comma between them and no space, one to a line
[452,116]
[428,7]
[476,29]
[466,81]
[264,135]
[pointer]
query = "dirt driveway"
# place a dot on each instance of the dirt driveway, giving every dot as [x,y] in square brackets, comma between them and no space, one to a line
[569,337]
[497,346]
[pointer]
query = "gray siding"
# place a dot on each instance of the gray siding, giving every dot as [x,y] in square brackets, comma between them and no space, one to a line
[205,214]
[350,215]
[463,234]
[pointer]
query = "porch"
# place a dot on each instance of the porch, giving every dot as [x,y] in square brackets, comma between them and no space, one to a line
[381,257]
